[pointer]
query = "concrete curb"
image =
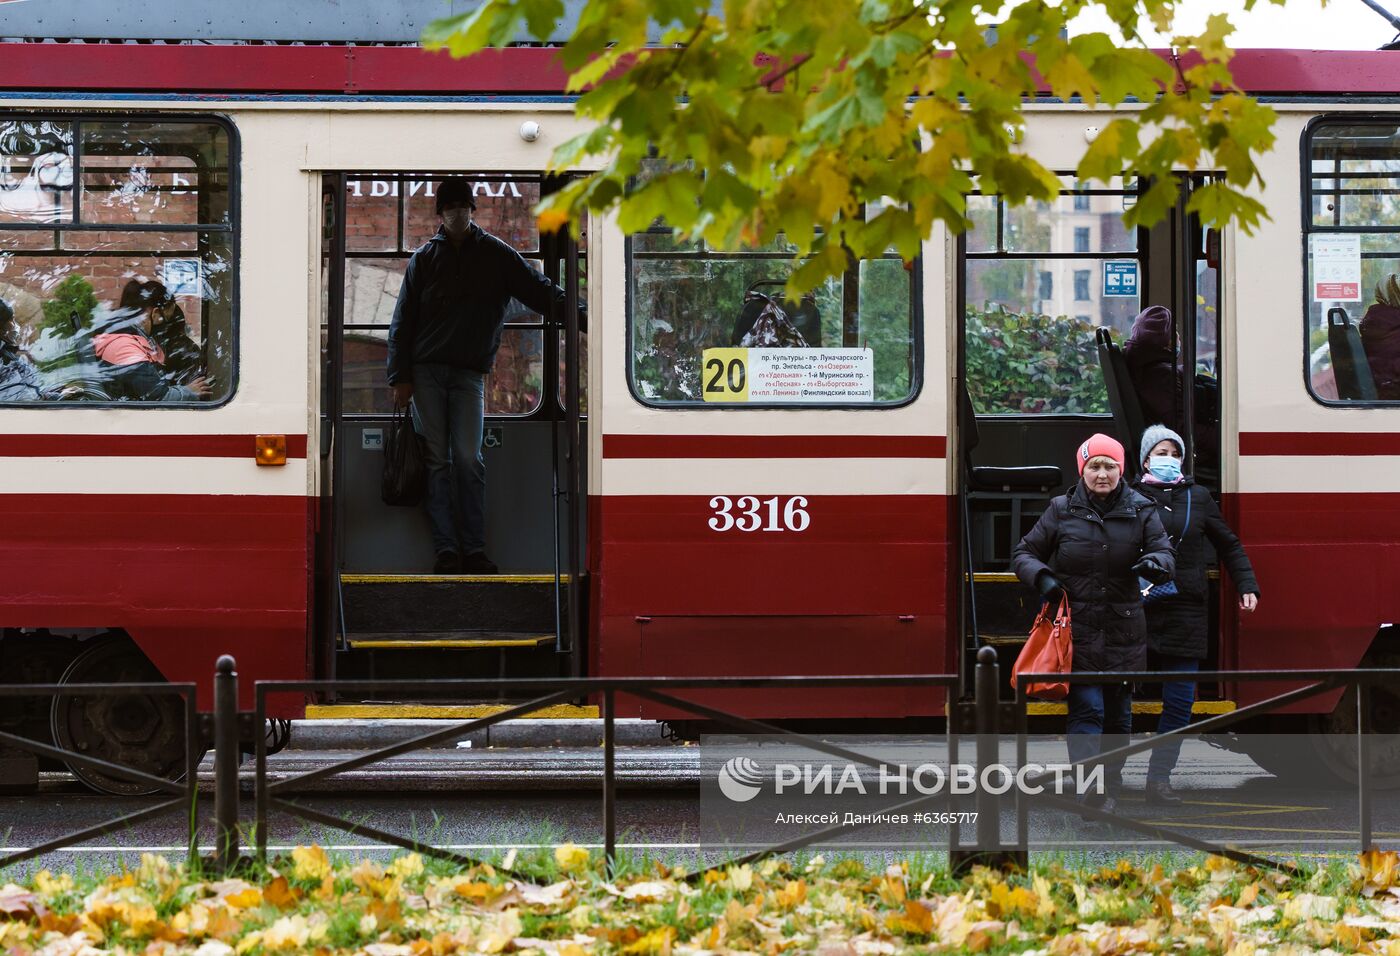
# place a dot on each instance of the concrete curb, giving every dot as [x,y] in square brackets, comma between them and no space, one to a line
[322,735]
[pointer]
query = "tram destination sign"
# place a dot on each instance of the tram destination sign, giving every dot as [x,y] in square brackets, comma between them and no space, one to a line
[788,376]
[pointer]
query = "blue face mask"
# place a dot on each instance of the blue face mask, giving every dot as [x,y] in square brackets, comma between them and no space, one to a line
[1164,467]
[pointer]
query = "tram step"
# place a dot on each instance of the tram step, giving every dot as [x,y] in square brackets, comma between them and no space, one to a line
[372,710]
[446,640]
[1046,708]
[391,603]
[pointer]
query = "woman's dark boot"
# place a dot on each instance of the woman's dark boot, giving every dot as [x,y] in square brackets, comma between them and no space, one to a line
[1160,793]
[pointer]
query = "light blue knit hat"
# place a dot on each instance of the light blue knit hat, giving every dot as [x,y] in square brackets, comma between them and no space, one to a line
[1155,433]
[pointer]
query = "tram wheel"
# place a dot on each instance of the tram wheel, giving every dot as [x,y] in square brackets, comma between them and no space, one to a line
[1330,740]
[145,732]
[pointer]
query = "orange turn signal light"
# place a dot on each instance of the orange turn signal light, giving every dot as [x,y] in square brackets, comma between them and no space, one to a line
[271,449]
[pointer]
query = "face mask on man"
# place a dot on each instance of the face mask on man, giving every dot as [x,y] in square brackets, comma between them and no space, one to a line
[456,221]
[1164,467]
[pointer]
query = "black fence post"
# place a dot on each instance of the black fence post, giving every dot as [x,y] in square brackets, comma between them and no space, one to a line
[990,850]
[988,701]
[225,764]
[609,781]
[1363,763]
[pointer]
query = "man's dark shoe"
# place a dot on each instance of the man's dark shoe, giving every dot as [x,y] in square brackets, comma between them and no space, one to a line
[1160,793]
[1100,802]
[478,563]
[447,563]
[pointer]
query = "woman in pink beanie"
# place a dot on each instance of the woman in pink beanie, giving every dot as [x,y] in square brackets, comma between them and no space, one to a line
[1092,545]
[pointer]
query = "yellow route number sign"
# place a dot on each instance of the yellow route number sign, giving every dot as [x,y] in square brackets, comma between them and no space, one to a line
[724,375]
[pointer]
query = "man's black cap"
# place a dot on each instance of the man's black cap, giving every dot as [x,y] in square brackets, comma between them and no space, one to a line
[454,190]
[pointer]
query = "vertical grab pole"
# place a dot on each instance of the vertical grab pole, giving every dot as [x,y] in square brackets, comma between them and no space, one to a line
[988,819]
[571,403]
[1363,761]
[225,764]
[609,781]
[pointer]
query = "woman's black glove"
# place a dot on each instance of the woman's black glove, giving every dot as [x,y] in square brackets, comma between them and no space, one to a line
[1149,568]
[1049,587]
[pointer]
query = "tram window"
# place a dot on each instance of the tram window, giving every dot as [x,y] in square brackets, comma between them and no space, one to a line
[117,259]
[1352,243]
[387,217]
[684,298]
[1036,283]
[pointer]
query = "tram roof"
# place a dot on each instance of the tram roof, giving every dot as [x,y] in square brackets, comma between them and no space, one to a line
[369,48]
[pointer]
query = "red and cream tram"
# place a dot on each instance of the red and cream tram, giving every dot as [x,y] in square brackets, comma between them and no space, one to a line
[662,499]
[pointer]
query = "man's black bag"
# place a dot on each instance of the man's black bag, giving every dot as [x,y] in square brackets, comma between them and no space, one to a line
[405,472]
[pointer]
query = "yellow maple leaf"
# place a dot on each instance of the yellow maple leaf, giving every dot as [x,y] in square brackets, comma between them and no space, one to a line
[407,867]
[499,933]
[915,920]
[658,941]
[310,863]
[571,858]
[793,893]
[280,893]
[552,220]
[245,899]
[1380,868]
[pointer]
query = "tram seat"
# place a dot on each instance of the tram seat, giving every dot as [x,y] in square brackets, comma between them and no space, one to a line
[1122,396]
[1005,489]
[1349,363]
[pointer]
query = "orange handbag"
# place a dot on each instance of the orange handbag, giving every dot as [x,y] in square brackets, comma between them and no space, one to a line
[1048,650]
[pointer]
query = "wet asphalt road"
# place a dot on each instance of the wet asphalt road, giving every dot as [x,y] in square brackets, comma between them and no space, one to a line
[1229,800]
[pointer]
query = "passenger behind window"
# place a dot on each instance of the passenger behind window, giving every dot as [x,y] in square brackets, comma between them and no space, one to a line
[1380,337]
[134,364]
[1150,353]
[19,379]
[767,322]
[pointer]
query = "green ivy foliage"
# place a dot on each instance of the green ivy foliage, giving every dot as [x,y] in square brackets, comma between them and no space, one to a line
[73,297]
[1028,363]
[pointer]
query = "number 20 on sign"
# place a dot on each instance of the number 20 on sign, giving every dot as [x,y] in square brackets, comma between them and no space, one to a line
[724,375]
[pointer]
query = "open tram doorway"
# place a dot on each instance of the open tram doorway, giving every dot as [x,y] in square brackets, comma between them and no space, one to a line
[1047,298]
[382,611]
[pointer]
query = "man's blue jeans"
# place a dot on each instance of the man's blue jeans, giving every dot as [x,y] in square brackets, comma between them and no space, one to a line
[448,411]
[1100,719]
[1177,699]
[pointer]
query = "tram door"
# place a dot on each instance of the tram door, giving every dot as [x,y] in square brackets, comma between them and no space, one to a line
[1048,297]
[383,612]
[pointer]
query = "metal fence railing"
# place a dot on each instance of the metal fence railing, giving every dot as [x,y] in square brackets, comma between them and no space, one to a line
[990,717]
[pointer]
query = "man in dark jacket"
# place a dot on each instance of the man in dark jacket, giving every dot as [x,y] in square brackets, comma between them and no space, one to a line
[1178,624]
[1092,545]
[442,343]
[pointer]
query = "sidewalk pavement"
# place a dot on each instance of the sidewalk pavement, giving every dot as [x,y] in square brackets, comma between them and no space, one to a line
[358,734]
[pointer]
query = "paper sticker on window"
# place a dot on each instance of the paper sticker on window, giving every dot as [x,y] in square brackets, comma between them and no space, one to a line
[1120,278]
[788,376]
[1336,268]
[181,276]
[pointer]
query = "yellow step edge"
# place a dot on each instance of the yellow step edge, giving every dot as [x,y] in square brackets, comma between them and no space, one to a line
[453,643]
[1041,708]
[457,578]
[1009,577]
[440,711]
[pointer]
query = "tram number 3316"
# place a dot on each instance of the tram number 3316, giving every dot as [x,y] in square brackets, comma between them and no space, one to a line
[749,513]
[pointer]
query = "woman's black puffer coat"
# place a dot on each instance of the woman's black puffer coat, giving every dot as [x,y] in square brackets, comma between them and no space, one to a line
[1178,625]
[1092,557]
